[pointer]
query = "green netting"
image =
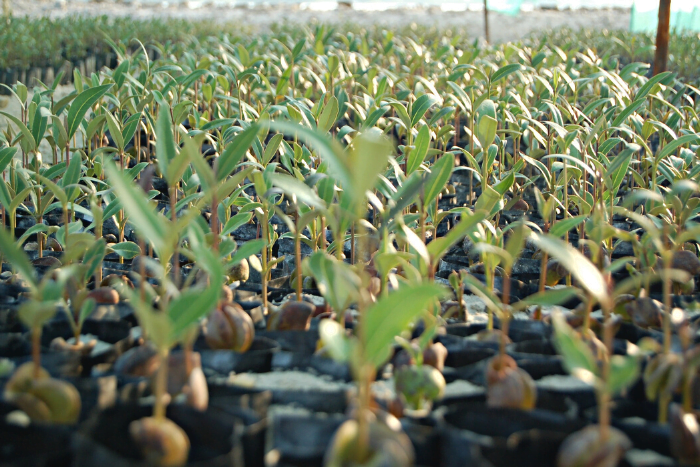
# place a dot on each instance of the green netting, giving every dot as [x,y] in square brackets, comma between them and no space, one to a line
[685,16]
[509,7]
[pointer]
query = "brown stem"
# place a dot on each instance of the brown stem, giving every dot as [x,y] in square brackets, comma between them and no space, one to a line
[505,319]
[66,223]
[214,224]
[160,385]
[176,250]
[264,263]
[297,257]
[36,350]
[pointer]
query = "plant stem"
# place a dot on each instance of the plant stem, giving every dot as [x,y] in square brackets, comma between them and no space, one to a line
[160,385]
[505,318]
[264,263]
[297,258]
[604,396]
[176,249]
[36,350]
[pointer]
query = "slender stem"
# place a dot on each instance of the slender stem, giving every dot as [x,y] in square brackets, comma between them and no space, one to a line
[505,319]
[176,249]
[66,223]
[264,262]
[36,350]
[297,255]
[352,243]
[688,390]
[160,385]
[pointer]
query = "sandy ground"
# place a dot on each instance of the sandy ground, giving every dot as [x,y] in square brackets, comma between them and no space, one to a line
[503,28]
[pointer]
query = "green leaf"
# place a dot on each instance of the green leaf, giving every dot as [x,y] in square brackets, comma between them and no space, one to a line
[549,297]
[649,85]
[236,221]
[271,148]
[150,225]
[81,104]
[439,247]
[336,280]
[617,169]
[6,156]
[296,188]
[192,305]
[165,144]
[505,71]
[565,225]
[24,130]
[575,352]
[18,259]
[245,251]
[440,174]
[72,177]
[391,315]
[368,158]
[486,131]
[669,148]
[115,131]
[417,155]
[330,150]
[36,228]
[86,309]
[578,265]
[624,371]
[94,257]
[421,106]
[234,152]
[57,191]
[126,250]
[328,115]
[629,110]
[332,334]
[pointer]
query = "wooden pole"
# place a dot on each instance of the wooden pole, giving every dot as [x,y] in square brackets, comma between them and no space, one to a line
[486,20]
[662,35]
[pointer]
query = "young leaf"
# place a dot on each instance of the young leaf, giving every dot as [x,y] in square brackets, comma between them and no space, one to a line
[165,144]
[332,334]
[576,353]
[17,258]
[578,265]
[328,115]
[391,315]
[248,249]
[32,144]
[624,371]
[335,279]
[126,250]
[150,225]
[505,71]
[440,174]
[439,247]
[234,152]
[81,104]
[293,187]
[417,155]
[421,106]
[565,225]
